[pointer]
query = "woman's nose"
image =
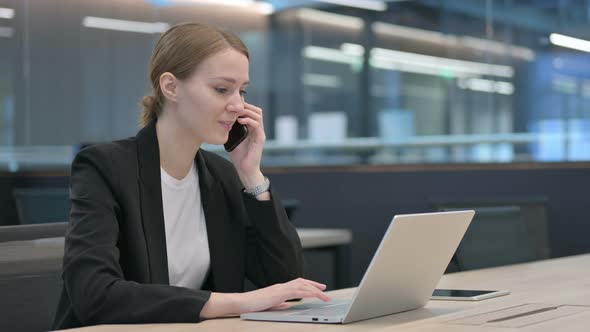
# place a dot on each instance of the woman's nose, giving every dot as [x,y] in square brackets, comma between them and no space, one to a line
[235,107]
[236,104]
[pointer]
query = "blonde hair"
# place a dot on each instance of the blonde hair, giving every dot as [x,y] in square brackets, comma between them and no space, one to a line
[179,51]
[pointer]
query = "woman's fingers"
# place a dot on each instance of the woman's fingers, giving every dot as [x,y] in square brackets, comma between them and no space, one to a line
[250,114]
[322,296]
[315,284]
[306,288]
[311,282]
[273,297]
[316,292]
[311,292]
[251,117]
[258,110]
[249,122]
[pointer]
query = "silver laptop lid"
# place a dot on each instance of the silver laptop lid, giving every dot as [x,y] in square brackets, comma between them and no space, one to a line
[408,263]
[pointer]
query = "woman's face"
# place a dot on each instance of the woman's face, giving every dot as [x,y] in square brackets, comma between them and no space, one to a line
[209,101]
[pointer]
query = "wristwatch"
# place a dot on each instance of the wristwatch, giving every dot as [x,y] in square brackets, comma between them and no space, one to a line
[259,189]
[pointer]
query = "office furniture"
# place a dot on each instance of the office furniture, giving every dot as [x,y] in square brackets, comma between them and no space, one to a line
[336,241]
[30,283]
[532,216]
[19,258]
[28,302]
[50,205]
[30,275]
[32,231]
[42,205]
[30,270]
[497,236]
[364,198]
[41,252]
[546,296]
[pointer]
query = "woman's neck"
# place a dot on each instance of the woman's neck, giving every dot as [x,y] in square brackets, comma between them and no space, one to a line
[177,145]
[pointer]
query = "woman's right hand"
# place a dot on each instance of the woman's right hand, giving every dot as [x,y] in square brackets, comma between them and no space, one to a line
[275,296]
[223,304]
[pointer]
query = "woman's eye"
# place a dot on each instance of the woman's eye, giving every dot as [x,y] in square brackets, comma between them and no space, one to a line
[243,92]
[221,90]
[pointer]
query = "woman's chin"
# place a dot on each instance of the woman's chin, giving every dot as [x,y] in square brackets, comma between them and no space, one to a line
[218,140]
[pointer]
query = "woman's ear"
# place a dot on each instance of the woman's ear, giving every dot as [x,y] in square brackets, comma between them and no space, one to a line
[168,86]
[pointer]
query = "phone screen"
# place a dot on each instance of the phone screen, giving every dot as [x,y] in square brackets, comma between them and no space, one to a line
[237,134]
[460,292]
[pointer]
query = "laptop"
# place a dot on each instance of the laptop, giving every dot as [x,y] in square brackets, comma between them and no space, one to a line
[402,275]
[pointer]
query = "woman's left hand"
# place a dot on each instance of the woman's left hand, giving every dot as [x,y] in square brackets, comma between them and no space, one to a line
[247,156]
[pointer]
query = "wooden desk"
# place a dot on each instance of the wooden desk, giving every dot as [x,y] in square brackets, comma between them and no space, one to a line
[558,282]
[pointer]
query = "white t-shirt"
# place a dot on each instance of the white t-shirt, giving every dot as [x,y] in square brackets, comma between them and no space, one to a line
[186,232]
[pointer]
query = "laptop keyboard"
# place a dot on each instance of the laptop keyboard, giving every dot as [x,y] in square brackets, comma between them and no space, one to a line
[328,311]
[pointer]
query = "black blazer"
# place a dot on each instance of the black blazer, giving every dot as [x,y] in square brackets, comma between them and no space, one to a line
[115,267]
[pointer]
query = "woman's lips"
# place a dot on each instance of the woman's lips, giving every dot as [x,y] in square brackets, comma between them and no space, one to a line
[227,124]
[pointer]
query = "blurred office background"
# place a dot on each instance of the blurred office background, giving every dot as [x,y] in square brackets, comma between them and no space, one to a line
[420,81]
[372,108]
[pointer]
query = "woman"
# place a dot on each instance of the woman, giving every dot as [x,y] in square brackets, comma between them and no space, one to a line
[162,231]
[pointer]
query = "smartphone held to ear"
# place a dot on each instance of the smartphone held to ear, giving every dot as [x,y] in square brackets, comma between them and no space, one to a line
[237,134]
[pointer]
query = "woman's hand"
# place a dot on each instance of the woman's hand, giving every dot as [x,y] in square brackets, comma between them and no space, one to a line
[275,296]
[247,156]
[272,297]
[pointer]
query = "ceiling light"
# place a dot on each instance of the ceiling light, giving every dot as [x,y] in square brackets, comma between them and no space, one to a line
[363,4]
[7,13]
[570,42]
[453,65]
[412,33]
[124,25]
[449,40]
[321,17]
[404,61]
[236,3]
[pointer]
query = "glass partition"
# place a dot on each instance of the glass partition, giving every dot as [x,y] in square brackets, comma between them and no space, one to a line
[419,81]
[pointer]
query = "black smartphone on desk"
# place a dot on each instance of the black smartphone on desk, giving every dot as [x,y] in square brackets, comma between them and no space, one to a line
[237,135]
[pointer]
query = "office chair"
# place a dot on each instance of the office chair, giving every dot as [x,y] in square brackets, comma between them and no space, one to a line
[29,301]
[533,211]
[30,284]
[42,205]
[497,236]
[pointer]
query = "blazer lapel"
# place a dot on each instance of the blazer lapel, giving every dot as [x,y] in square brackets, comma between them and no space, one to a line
[222,245]
[150,195]
[223,240]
